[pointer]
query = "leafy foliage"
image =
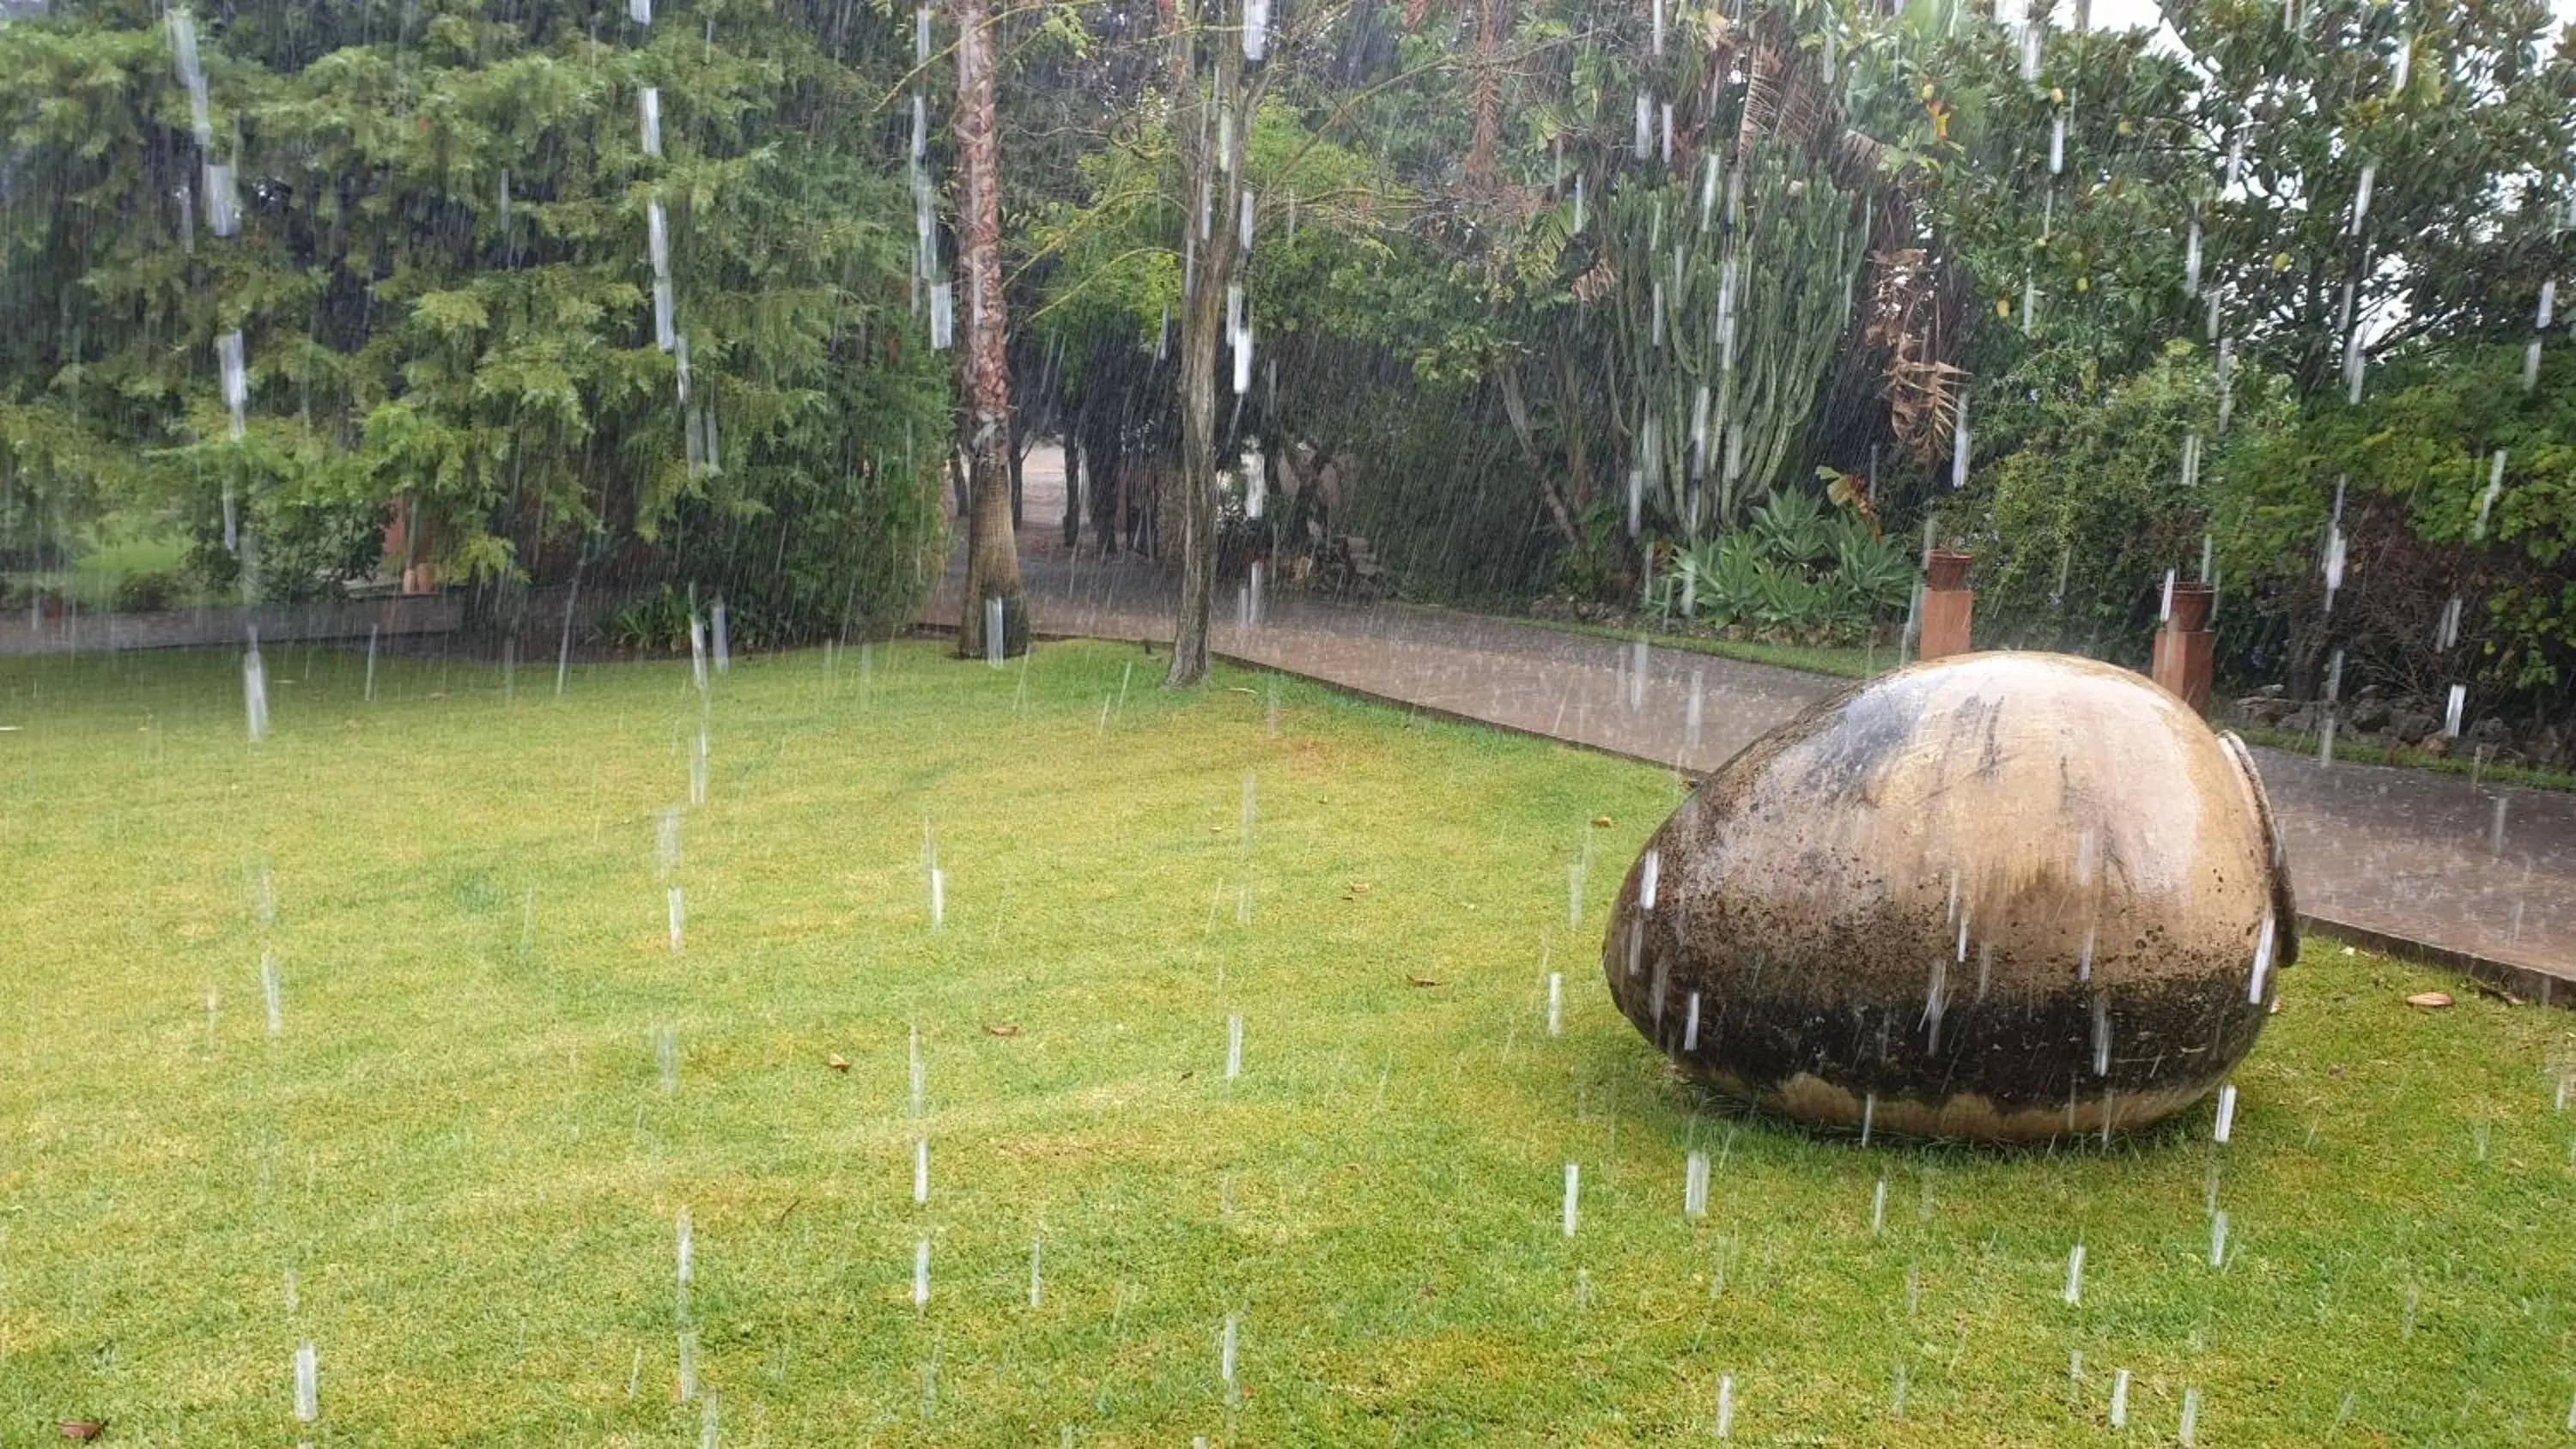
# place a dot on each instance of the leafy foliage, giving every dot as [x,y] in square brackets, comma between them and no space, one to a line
[1791,570]
[441,281]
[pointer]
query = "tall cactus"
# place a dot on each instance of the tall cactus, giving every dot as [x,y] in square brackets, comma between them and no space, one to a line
[1738,287]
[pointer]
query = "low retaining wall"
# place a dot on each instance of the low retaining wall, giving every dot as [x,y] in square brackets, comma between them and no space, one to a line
[77,632]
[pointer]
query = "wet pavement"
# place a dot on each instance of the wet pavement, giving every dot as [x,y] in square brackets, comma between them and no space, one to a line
[2404,859]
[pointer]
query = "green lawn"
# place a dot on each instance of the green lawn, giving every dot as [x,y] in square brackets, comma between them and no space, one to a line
[2466,764]
[1844,661]
[91,581]
[459,1151]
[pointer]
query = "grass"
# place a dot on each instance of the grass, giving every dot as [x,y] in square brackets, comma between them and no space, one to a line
[1843,661]
[92,579]
[459,1151]
[2356,752]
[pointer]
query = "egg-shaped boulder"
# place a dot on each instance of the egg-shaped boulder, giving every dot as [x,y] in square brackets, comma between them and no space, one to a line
[2001,896]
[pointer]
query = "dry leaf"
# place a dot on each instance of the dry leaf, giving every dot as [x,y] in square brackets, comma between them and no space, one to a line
[1002,1028]
[837,1062]
[1357,887]
[83,1428]
[1422,981]
[1600,822]
[2429,999]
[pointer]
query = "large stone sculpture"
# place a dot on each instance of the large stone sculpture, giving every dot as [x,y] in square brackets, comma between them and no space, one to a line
[2000,896]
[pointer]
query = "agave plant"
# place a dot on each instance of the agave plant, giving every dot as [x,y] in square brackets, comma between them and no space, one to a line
[1874,572]
[1791,527]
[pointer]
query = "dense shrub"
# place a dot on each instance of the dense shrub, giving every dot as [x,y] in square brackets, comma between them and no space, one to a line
[149,592]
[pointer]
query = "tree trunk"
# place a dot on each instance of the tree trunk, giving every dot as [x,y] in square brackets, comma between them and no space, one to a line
[1019,487]
[1205,173]
[1075,471]
[992,550]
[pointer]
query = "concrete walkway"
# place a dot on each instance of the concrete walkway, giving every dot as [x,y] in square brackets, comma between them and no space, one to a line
[2475,876]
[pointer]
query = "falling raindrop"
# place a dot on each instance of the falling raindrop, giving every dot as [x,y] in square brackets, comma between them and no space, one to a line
[2262,961]
[1573,1192]
[236,380]
[1695,1185]
[1959,443]
[255,690]
[920,1076]
[223,202]
[2226,1113]
[2075,1275]
[2494,489]
[308,1386]
[2226,380]
[2120,1400]
[1226,1356]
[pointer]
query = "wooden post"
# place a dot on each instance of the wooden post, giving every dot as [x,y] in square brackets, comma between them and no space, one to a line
[2186,647]
[1949,605]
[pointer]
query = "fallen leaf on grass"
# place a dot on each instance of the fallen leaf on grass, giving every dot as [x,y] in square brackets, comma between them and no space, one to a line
[2429,999]
[1002,1028]
[83,1428]
[837,1062]
[1422,981]
[1237,689]
[1600,822]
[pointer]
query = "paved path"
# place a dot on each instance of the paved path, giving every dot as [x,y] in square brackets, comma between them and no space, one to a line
[2406,858]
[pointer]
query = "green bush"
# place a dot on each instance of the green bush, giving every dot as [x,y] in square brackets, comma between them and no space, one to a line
[149,592]
[2077,521]
[1792,569]
[2426,518]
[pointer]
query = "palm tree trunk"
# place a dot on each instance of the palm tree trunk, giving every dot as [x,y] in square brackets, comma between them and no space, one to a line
[992,551]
